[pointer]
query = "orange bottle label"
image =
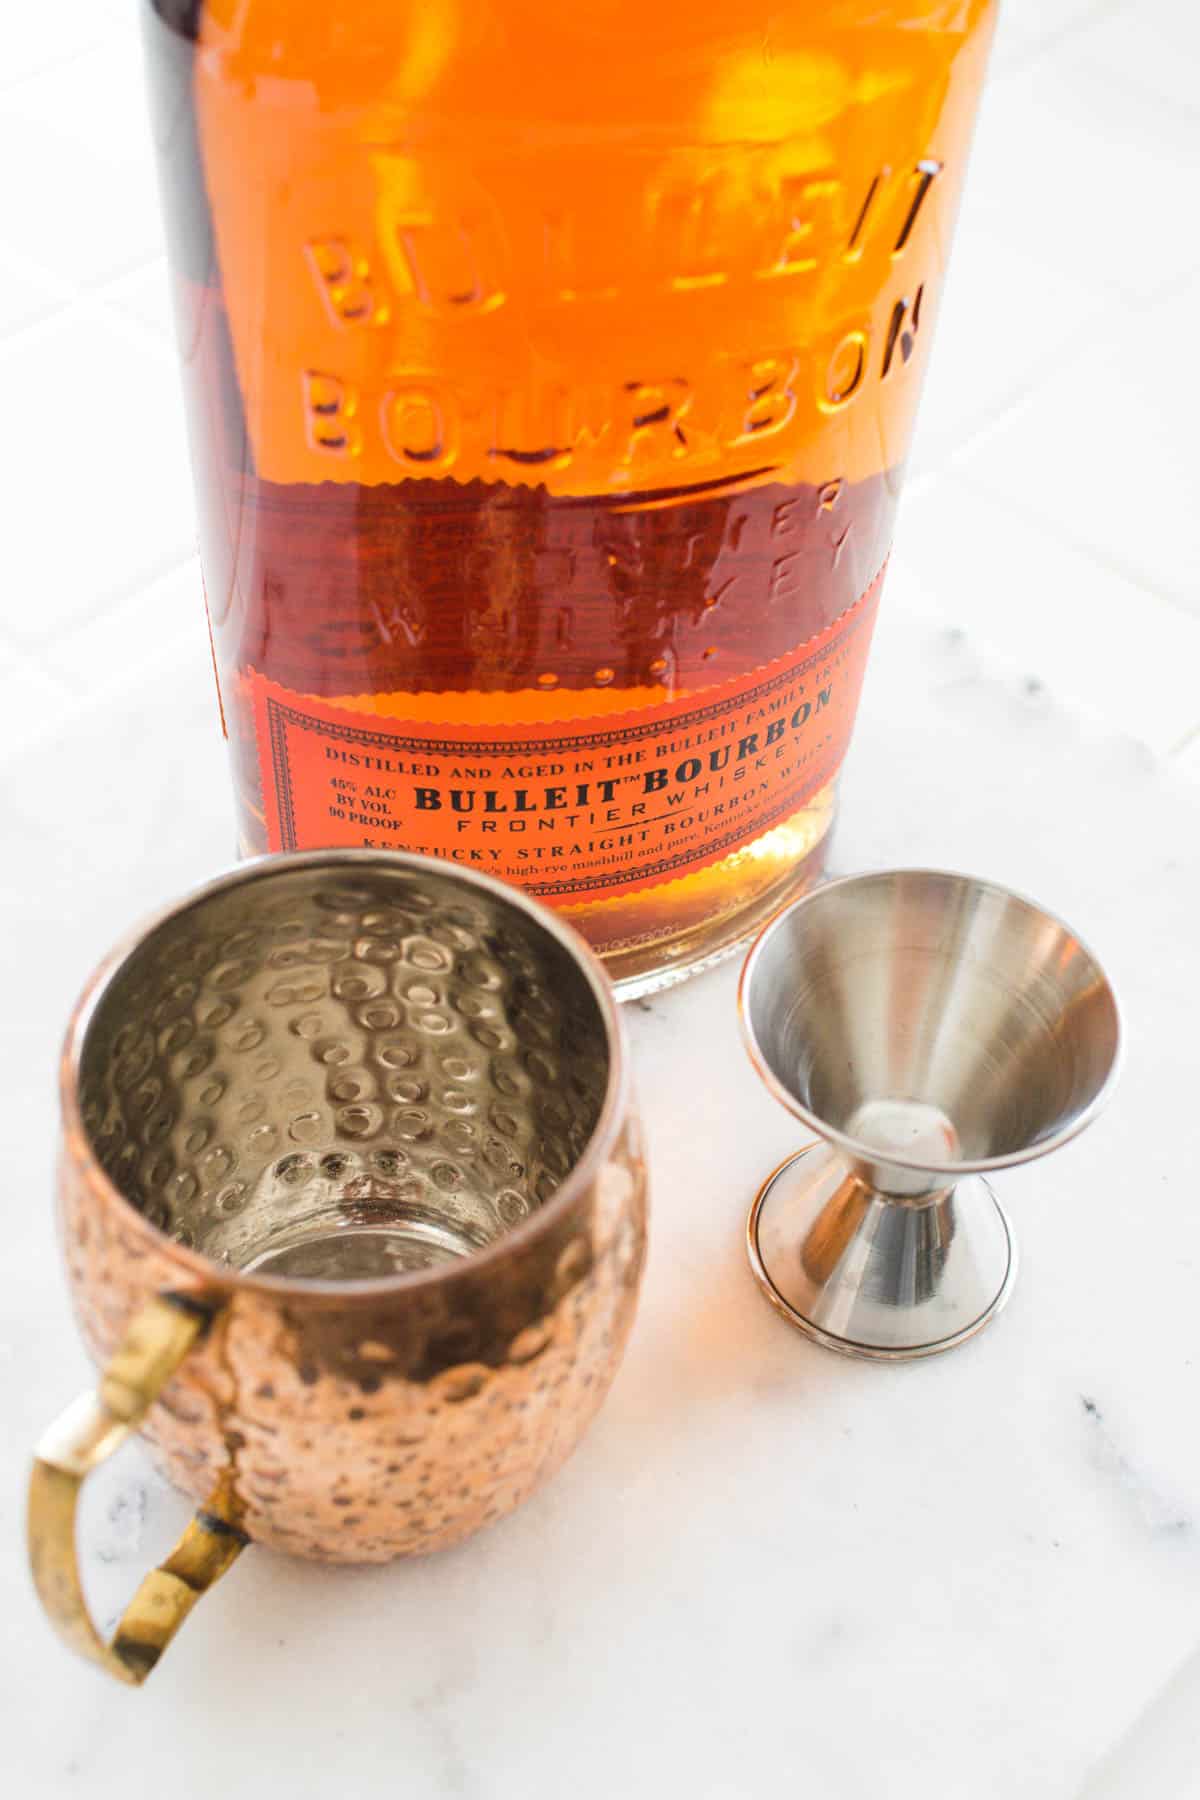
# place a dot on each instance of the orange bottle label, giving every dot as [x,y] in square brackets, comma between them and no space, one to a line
[581,809]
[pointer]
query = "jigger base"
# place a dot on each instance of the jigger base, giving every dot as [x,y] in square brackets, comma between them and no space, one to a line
[874,1277]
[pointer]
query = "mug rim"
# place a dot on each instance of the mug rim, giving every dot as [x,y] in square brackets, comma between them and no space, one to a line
[615,1109]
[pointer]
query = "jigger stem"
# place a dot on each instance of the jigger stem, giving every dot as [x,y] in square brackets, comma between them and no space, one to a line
[878,1274]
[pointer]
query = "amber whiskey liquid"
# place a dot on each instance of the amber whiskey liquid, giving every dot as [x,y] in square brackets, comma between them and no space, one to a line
[550,375]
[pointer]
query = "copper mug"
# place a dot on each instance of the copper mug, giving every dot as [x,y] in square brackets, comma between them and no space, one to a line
[353,1213]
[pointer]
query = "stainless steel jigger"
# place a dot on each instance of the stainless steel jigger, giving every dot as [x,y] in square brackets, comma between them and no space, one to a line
[930,1029]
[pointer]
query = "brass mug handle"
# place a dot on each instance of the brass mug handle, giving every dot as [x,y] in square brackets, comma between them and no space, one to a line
[156,1341]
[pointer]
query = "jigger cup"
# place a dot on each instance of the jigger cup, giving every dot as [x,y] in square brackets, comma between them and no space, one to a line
[352,1207]
[931,1029]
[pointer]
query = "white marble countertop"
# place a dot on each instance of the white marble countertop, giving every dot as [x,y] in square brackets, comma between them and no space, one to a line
[767,1568]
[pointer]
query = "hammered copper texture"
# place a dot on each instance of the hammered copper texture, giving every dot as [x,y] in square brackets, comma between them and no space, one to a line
[399,1055]
[351,1421]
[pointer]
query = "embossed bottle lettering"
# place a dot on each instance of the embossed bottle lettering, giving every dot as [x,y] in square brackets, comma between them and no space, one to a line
[697,230]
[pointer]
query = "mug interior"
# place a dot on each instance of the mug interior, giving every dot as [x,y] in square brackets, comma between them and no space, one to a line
[339,1073]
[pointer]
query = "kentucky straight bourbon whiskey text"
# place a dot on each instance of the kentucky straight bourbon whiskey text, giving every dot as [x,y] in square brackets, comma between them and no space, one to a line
[550,373]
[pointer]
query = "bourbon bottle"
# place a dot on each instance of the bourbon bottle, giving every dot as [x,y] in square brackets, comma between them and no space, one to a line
[550,372]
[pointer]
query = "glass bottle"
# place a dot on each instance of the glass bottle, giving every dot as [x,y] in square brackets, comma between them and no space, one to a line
[550,373]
